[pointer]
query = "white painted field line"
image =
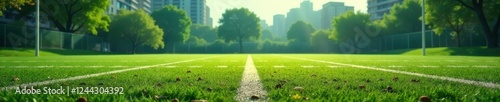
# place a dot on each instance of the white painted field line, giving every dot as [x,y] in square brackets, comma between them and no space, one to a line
[250,84]
[221,66]
[94,75]
[280,66]
[465,81]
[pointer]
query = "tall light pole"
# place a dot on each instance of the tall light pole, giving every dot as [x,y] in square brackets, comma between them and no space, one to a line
[423,27]
[37,33]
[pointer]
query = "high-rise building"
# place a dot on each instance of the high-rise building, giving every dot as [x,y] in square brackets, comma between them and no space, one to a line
[195,9]
[209,20]
[377,8]
[279,25]
[331,10]
[116,5]
[304,13]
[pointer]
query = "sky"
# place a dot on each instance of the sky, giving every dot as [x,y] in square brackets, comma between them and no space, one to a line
[266,9]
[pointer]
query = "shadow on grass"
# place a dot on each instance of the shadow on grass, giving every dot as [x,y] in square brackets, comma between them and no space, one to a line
[446,51]
[474,51]
[76,52]
[48,52]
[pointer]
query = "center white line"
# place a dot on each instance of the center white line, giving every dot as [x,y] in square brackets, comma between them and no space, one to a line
[465,81]
[94,75]
[250,84]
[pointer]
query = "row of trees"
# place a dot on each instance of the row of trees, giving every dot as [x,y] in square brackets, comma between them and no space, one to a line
[351,31]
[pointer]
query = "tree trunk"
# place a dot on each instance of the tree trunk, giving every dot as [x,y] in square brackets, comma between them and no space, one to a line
[491,36]
[133,48]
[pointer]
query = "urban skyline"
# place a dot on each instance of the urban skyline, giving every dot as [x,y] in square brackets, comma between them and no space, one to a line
[266,9]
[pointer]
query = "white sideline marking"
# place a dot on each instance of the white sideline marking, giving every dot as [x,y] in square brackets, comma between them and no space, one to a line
[307,66]
[93,75]
[222,66]
[465,81]
[250,83]
[456,66]
[333,66]
[395,66]
[95,66]
[279,66]
[483,66]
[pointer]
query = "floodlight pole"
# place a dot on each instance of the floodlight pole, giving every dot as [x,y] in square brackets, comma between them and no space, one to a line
[423,27]
[37,34]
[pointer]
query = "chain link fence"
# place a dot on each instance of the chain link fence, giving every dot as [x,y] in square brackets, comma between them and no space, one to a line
[414,40]
[24,37]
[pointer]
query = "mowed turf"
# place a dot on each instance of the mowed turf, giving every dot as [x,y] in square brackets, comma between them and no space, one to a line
[331,83]
[474,68]
[31,69]
[217,77]
[213,79]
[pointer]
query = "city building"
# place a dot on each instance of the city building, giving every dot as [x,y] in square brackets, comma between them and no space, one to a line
[279,25]
[377,8]
[195,9]
[209,19]
[116,5]
[331,10]
[304,13]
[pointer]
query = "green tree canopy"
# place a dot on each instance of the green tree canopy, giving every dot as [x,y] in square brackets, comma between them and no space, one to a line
[447,14]
[321,42]
[238,25]
[175,23]
[137,29]
[204,32]
[17,4]
[403,18]
[300,31]
[347,29]
[73,15]
[266,34]
[487,13]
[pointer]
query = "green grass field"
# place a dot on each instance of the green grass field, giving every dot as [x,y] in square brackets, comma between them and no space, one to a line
[217,77]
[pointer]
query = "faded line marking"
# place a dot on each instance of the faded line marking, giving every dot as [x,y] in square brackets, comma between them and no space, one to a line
[465,81]
[93,75]
[279,66]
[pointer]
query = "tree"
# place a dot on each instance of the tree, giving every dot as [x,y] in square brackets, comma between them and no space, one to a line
[321,42]
[299,35]
[488,14]
[203,31]
[300,31]
[266,34]
[72,15]
[446,14]
[238,25]
[175,23]
[136,28]
[347,30]
[404,17]
[17,4]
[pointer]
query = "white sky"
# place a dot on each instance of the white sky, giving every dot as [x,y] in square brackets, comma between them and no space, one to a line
[266,9]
